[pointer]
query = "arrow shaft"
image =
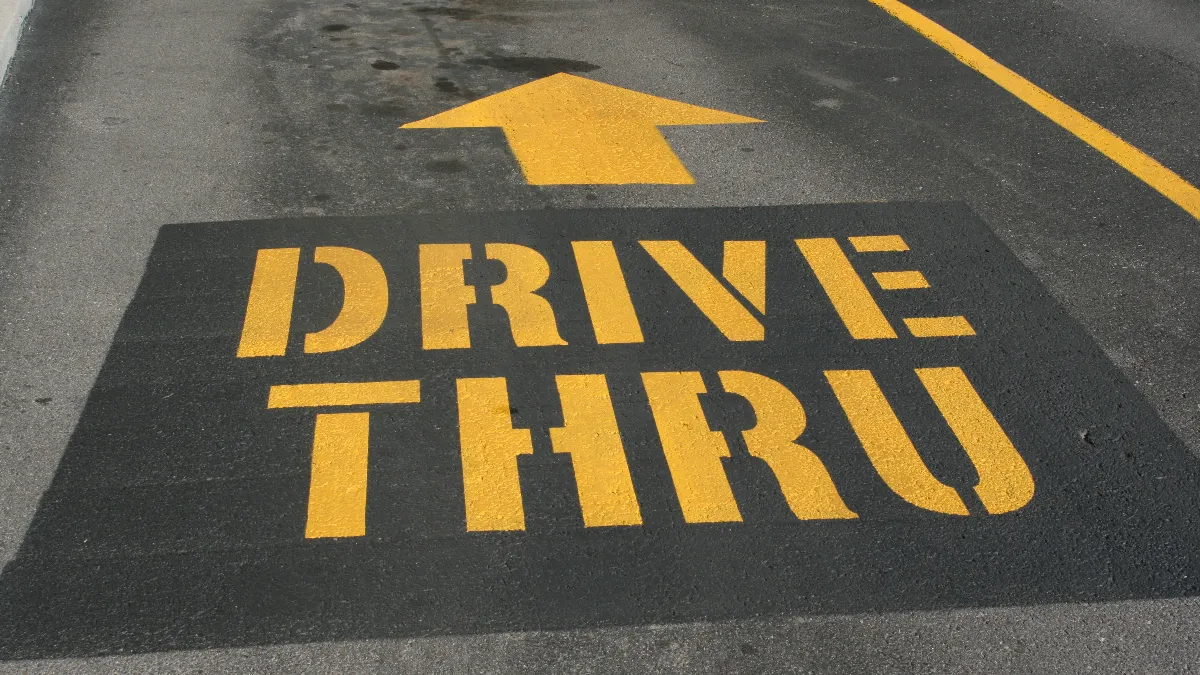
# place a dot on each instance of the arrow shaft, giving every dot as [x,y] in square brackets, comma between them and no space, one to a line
[591,151]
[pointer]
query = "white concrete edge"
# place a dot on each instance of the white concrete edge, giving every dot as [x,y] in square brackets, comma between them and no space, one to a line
[12,15]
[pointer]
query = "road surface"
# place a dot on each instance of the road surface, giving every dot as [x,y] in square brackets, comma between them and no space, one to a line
[120,116]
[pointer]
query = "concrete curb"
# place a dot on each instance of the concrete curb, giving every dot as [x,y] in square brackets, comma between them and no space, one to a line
[12,14]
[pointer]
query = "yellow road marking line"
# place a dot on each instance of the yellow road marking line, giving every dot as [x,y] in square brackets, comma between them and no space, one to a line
[1135,161]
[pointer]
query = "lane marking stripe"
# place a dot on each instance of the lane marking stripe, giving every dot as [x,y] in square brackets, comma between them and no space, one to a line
[1157,176]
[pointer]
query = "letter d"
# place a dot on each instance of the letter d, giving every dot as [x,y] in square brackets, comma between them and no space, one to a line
[273,290]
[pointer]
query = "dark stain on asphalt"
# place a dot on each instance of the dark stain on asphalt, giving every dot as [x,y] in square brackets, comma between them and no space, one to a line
[446,166]
[460,13]
[335,27]
[445,85]
[534,66]
[383,109]
[505,18]
[380,64]
[45,400]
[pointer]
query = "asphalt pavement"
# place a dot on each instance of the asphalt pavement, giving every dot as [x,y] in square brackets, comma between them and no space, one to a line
[120,116]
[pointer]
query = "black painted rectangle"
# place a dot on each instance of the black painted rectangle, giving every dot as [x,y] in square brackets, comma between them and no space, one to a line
[177,516]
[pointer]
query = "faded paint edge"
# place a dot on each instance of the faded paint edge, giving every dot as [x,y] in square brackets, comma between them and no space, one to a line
[12,16]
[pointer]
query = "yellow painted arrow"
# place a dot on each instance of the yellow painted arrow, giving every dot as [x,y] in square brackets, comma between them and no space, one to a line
[569,130]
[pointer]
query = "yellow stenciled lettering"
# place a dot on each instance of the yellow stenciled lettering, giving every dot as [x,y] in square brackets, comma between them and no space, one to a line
[939,326]
[364,302]
[490,446]
[887,443]
[343,394]
[269,309]
[879,243]
[613,317]
[693,450]
[845,289]
[720,306]
[272,295]
[529,314]
[337,492]
[444,296]
[1005,483]
[900,280]
[590,434]
[744,266]
[806,484]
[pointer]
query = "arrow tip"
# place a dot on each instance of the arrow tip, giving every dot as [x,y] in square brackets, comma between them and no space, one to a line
[563,91]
